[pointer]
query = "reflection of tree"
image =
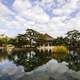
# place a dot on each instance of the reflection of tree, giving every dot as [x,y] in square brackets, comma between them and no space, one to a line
[3,56]
[29,60]
[74,61]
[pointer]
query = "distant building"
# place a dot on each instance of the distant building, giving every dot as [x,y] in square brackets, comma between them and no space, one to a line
[49,40]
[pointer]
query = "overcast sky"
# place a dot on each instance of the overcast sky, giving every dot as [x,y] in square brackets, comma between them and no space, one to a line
[54,17]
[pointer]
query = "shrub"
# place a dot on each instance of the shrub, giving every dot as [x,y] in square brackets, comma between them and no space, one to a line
[60,52]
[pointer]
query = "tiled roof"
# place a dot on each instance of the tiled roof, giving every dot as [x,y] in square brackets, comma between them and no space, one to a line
[48,37]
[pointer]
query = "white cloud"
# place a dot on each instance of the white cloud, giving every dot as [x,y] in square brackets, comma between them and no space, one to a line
[8,26]
[28,16]
[67,8]
[2,31]
[33,13]
[21,5]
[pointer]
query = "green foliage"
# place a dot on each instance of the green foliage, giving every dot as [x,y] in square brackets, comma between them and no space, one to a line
[3,41]
[31,38]
[34,38]
[74,34]
[73,38]
[60,52]
[59,41]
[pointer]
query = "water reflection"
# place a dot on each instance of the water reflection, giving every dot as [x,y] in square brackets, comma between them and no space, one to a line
[73,60]
[3,56]
[9,70]
[32,59]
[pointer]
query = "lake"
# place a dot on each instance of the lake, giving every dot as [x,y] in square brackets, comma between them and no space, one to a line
[34,65]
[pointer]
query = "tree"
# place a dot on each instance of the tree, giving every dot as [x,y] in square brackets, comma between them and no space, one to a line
[19,41]
[33,37]
[72,39]
[30,35]
[59,41]
[4,41]
[30,38]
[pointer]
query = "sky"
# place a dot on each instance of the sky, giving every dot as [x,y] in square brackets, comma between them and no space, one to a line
[54,17]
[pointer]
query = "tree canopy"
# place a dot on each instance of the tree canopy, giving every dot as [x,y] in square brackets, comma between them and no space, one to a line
[30,37]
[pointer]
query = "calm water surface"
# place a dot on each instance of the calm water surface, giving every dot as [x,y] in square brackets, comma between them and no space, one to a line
[25,61]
